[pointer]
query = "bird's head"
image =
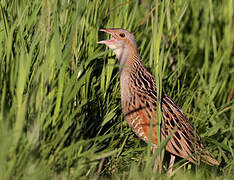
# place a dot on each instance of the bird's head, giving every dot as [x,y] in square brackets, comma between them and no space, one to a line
[122,42]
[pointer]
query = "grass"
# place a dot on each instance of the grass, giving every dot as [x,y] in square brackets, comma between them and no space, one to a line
[60,112]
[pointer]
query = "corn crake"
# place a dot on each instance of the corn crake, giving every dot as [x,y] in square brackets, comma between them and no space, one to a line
[139,104]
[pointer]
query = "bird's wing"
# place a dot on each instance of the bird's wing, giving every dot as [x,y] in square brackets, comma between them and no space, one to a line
[185,142]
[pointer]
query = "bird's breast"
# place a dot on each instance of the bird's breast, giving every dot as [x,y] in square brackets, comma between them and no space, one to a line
[125,92]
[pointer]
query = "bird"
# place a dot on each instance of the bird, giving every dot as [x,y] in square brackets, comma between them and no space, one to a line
[139,104]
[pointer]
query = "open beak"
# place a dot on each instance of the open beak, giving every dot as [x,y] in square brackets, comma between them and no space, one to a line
[111,32]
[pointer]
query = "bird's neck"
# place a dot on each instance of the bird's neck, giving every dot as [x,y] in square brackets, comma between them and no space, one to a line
[127,56]
[128,60]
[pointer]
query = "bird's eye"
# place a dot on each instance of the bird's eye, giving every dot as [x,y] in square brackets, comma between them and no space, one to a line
[122,35]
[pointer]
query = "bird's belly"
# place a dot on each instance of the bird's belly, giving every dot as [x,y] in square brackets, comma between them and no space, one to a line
[135,122]
[133,118]
[138,117]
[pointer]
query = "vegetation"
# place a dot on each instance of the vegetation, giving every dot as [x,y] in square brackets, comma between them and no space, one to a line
[60,111]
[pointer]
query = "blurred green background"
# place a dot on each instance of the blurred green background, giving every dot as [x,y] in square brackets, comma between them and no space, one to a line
[60,112]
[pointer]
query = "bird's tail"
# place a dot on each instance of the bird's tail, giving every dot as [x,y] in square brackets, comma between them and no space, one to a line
[207,158]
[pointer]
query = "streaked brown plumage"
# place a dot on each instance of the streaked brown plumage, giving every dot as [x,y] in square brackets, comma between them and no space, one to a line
[139,103]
